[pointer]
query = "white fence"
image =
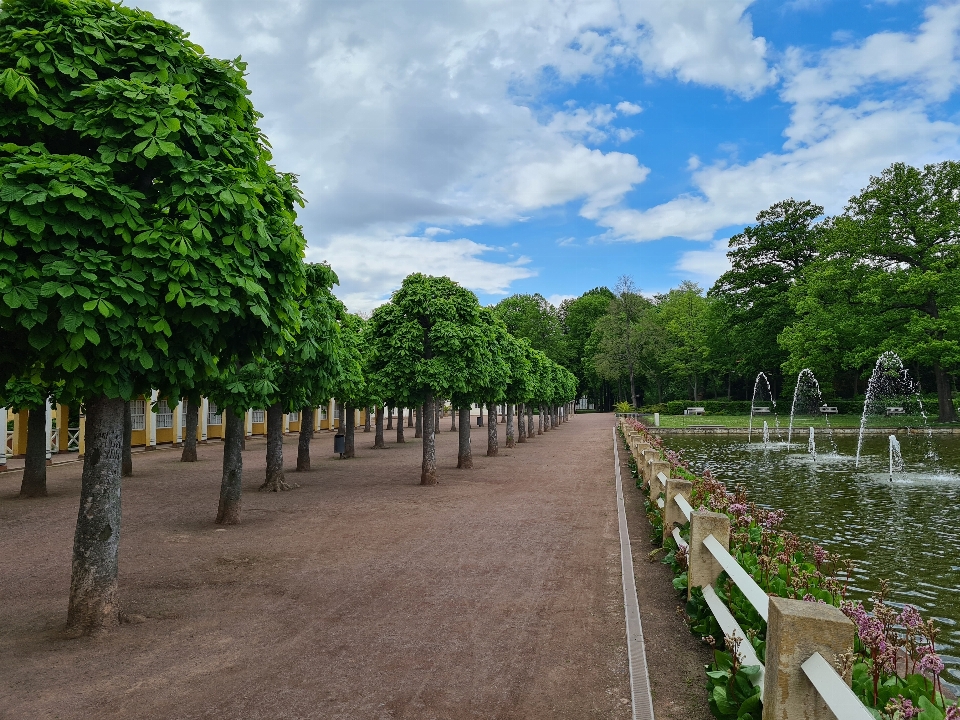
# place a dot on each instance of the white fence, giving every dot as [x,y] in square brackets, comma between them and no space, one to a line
[797,678]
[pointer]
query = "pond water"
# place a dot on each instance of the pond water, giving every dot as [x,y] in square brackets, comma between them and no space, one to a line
[906,530]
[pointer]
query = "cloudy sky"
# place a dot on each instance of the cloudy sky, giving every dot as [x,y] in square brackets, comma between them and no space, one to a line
[552,145]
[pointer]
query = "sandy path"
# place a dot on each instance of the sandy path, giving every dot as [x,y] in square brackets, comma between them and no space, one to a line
[495,594]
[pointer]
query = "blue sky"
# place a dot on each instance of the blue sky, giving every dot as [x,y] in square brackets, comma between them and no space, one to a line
[553,145]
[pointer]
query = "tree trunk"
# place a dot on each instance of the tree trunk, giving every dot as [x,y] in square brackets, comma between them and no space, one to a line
[231,482]
[944,394]
[437,407]
[492,447]
[409,417]
[400,436]
[366,419]
[521,423]
[418,433]
[126,466]
[378,443]
[510,442]
[306,435]
[275,479]
[464,455]
[530,432]
[349,433]
[428,470]
[540,428]
[453,418]
[96,543]
[389,418]
[34,481]
[189,453]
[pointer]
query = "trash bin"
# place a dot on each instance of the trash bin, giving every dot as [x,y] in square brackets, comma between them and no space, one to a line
[480,421]
[339,443]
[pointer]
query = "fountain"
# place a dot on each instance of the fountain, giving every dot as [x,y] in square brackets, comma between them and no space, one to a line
[889,383]
[812,445]
[807,389]
[896,459]
[753,404]
[766,433]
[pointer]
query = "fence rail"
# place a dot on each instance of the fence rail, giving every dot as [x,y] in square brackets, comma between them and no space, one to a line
[779,688]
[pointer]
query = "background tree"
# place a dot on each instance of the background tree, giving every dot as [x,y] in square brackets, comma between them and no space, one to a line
[352,388]
[422,343]
[143,233]
[534,318]
[579,318]
[683,313]
[24,393]
[494,359]
[767,260]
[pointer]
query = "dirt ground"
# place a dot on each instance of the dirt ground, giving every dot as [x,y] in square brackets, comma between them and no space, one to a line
[360,594]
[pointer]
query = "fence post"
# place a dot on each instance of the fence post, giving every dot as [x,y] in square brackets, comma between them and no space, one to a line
[48,409]
[657,466]
[649,455]
[672,514]
[3,438]
[795,631]
[702,567]
[204,406]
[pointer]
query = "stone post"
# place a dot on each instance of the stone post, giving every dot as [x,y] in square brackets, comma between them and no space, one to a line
[3,438]
[286,423]
[796,630]
[82,444]
[151,419]
[204,403]
[657,466]
[648,456]
[704,569]
[672,514]
[48,409]
[248,423]
[176,413]
[330,413]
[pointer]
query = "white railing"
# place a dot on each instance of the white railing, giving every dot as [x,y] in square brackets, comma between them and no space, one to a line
[9,441]
[54,440]
[828,685]
[73,439]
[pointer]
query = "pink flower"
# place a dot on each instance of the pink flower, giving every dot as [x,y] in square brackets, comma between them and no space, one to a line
[910,618]
[953,713]
[930,662]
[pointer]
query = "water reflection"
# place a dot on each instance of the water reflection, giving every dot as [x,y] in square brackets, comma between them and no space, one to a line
[906,530]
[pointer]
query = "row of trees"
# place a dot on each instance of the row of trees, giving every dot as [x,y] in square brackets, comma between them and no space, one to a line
[804,290]
[146,242]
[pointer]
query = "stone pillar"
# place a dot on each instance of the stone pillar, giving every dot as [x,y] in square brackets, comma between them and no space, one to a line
[644,461]
[331,407]
[286,423]
[796,630]
[316,419]
[3,438]
[204,405]
[48,410]
[703,568]
[151,419]
[82,444]
[672,514]
[177,413]
[657,466]
[248,423]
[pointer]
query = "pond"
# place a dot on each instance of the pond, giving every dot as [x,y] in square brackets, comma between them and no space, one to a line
[906,530]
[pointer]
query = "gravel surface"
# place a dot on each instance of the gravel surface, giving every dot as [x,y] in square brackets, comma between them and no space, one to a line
[360,594]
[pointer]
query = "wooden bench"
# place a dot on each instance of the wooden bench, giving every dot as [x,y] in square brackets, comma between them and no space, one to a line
[761,411]
[695,411]
[895,411]
[828,410]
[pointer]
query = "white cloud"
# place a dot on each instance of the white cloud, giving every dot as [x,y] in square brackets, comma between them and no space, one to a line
[371,266]
[704,266]
[856,110]
[399,113]
[628,108]
[555,300]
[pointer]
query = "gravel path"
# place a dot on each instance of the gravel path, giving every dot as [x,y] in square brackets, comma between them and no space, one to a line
[361,594]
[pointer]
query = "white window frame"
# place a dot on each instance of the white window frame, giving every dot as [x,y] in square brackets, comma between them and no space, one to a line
[214,415]
[138,414]
[258,416]
[164,416]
